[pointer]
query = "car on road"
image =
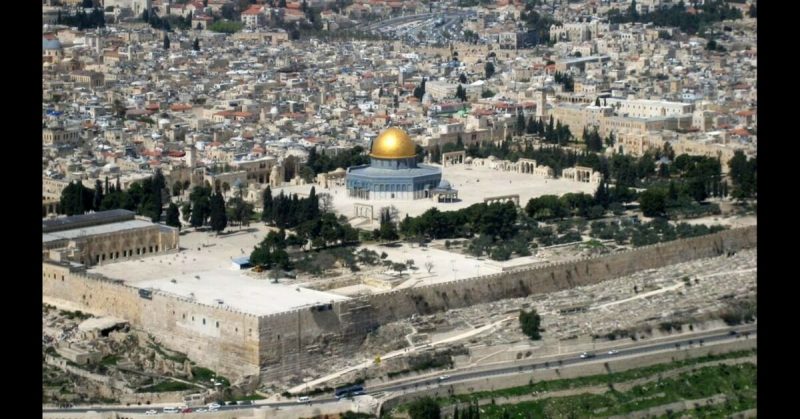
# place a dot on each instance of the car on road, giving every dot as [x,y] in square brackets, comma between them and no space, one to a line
[444,377]
[187,410]
[587,355]
[304,399]
[201,410]
[151,412]
[613,352]
[171,409]
[213,405]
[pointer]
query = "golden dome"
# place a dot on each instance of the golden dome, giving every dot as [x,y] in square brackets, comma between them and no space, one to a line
[393,143]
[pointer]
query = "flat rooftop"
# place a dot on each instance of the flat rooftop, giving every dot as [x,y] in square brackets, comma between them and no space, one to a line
[202,270]
[239,291]
[95,230]
[95,218]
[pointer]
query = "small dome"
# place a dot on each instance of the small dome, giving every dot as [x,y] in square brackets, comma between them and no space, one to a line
[393,143]
[443,184]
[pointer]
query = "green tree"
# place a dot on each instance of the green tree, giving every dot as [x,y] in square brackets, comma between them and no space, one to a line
[461,93]
[98,195]
[424,408]
[388,229]
[752,12]
[489,69]
[219,219]
[545,207]
[632,13]
[196,44]
[166,41]
[462,78]
[697,189]
[177,188]
[266,214]
[76,199]
[653,202]
[743,174]
[601,196]
[530,322]
[173,216]
[201,205]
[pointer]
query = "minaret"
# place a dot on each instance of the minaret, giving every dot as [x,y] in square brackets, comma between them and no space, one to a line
[191,156]
[541,102]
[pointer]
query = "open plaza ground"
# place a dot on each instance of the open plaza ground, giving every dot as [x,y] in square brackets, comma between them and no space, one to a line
[474,184]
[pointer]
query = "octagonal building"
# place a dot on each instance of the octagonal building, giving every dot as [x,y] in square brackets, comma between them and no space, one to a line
[393,172]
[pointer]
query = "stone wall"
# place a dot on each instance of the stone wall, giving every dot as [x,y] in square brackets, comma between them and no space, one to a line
[224,340]
[386,307]
[277,346]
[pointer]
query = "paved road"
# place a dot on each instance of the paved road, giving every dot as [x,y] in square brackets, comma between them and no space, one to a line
[639,349]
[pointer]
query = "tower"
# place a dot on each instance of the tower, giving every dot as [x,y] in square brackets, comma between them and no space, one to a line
[541,102]
[191,156]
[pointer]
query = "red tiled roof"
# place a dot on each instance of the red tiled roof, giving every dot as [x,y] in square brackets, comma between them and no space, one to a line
[180,107]
[253,10]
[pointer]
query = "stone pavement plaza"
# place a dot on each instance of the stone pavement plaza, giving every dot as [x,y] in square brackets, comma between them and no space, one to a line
[474,184]
[202,269]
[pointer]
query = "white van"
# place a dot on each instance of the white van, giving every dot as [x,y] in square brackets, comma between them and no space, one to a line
[304,399]
[171,410]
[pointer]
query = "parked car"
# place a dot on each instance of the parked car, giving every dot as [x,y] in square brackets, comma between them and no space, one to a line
[613,352]
[187,410]
[213,405]
[171,409]
[151,412]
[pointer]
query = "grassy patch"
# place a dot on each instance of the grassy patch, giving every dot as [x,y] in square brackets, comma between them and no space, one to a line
[109,360]
[737,382]
[165,386]
[603,379]
[175,356]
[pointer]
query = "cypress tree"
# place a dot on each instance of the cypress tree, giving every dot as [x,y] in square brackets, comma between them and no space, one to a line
[98,195]
[173,216]
[266,214]
[219,220]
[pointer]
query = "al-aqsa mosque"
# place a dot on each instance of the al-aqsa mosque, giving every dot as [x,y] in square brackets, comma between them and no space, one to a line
[393,172]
